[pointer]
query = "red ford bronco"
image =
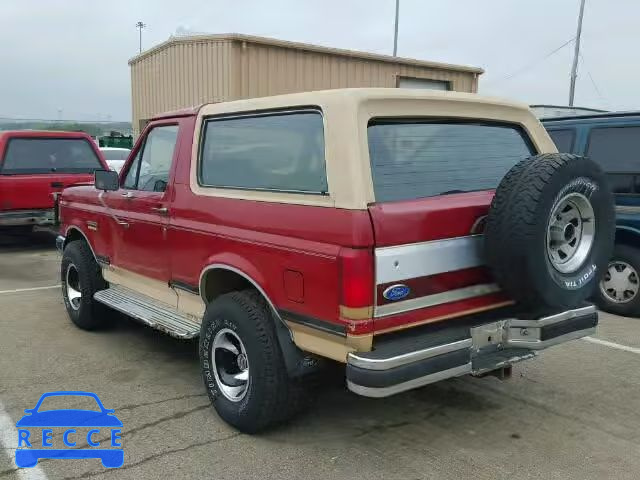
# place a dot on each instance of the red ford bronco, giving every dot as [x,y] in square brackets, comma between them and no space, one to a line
[412,236]
[35,167]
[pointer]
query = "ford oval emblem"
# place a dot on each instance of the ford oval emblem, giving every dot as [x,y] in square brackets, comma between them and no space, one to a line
[396,292]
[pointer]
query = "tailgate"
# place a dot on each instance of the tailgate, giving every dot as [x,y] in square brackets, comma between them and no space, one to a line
[433,182]
[34,192]
[429,263]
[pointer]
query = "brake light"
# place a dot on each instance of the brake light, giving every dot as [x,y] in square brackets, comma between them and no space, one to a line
[356,283]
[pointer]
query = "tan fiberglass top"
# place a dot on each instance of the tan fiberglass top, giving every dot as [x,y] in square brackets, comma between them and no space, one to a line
[346,113]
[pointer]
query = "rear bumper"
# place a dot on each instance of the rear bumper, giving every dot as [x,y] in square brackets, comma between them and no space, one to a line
[18,218]
[410,361]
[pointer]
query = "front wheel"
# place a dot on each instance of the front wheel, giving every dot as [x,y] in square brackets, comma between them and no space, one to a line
[81,278]
[620,284]
[242,364]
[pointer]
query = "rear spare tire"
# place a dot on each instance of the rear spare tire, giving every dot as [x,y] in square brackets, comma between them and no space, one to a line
[550,229]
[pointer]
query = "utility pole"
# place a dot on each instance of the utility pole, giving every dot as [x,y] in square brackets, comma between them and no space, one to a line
[576,53]
[140,26]
[395,32]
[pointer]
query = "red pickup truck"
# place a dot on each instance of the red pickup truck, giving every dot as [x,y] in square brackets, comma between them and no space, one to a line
[411,236]
[35,167]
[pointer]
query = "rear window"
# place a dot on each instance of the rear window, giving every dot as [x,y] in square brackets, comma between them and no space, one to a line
[413,159]
[49,155]
[563,139]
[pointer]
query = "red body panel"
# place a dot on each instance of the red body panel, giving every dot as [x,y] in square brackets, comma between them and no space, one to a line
[36,191]
[295,253]
[433,218]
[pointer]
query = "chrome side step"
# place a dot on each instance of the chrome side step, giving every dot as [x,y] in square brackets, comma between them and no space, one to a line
[149,311]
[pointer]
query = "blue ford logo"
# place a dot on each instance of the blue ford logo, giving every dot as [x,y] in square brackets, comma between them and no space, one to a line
[396,292]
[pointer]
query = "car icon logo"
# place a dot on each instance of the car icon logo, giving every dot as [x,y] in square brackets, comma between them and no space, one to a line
[73,429]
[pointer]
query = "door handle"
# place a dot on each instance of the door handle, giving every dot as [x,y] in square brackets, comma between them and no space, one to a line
[160,210]
[122,223]
[127,194]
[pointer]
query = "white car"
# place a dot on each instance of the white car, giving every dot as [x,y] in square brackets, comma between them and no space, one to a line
[115,157]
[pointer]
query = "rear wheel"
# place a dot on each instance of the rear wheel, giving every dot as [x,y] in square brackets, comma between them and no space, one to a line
[81,278]
[619,290]
[242,365]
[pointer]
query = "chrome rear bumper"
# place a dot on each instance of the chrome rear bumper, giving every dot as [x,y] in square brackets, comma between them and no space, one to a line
[409,362]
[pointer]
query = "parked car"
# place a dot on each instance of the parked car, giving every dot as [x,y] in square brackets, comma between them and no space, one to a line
[35,167]
[342,225]
[613,141]
[115,157]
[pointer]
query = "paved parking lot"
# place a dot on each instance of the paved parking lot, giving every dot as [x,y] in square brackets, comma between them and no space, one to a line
[573,413]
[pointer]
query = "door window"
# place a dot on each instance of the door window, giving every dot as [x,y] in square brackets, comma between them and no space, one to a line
[149,171]
[617,150]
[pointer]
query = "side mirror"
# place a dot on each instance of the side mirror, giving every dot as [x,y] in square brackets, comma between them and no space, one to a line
[106,180]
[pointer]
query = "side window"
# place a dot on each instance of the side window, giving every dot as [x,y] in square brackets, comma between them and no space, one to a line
[281,152]
[617,150]
[563,139]
[150,171]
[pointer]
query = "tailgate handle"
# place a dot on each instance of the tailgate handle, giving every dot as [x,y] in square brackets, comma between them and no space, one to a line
[57,184]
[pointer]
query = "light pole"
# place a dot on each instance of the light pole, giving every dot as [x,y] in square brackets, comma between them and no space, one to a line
[140,26]
[395,31]
[576,52]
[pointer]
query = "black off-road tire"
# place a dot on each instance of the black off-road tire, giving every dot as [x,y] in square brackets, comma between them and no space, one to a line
[517,223]
[271,397]
[90,314]
[631,256]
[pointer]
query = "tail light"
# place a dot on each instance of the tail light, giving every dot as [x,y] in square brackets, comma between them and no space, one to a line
[357,286]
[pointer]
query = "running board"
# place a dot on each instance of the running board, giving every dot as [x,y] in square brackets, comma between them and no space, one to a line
[158,315]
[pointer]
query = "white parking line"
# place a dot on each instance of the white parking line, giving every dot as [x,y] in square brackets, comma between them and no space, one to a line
[32,289]
[9,442]
[617,346]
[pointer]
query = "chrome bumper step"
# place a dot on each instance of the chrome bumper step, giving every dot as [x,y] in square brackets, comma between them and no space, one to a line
[149,311]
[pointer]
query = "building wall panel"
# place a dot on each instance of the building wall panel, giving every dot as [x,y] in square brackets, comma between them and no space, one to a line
[187,72]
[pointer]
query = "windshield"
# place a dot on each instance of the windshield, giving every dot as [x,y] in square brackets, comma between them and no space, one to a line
[49,155]
[415,159]
[115,154]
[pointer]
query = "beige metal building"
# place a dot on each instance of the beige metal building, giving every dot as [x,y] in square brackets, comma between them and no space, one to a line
[187,71]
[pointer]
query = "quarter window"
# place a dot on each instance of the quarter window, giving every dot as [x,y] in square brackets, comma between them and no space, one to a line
[281,152]
[563,139]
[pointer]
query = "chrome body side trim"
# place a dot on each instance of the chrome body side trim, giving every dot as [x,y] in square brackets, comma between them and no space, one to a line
[380,392]
[415,260]
[436,299]
[409,357]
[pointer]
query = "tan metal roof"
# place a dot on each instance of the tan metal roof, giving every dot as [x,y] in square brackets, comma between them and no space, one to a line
[301,46]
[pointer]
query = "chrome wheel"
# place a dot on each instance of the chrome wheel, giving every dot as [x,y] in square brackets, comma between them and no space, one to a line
[230,364]
[570,232]
[72,282]
[620,283]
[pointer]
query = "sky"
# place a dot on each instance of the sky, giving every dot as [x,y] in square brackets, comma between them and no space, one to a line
[68,58]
